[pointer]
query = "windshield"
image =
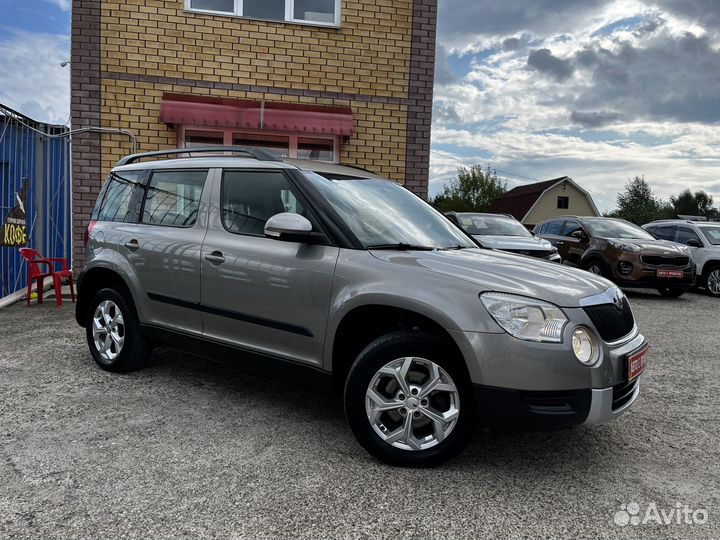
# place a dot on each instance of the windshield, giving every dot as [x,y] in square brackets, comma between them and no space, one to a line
[610,228]
[712,234]
[384,214]
[480,224]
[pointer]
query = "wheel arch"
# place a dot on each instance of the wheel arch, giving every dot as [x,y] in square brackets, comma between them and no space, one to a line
[362,324]
[90,282]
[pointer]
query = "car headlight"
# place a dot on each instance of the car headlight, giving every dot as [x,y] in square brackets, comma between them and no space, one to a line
[622,246]
[526,318]
[584,346]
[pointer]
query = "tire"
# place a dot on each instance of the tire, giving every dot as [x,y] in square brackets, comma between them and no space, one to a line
[431,441]
[597,267]
[671,292]
[123,347]
[711,281]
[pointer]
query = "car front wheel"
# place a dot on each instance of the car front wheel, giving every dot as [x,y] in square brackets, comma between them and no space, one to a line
[113,332]
[409,401]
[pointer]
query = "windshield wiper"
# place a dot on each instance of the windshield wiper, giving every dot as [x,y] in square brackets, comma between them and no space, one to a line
[451,248]
[402,246]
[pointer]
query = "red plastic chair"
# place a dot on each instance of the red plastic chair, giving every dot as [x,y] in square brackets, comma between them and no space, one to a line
[35,274]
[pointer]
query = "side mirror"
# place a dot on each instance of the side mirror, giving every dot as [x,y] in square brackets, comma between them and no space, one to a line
[579,235]
[694,243]
[289,227]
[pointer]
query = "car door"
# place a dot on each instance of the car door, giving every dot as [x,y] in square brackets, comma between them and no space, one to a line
[258,293]
[552,232]
[163,249]
[574,247]
[683,235]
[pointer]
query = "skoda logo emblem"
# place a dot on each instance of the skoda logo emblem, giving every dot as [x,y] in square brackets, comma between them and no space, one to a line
[618,298]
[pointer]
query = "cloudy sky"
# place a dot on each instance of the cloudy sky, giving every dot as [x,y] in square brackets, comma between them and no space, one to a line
[599,90]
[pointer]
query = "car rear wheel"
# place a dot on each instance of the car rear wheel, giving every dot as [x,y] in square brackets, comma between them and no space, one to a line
[712,281]
[671,292]
[408,401]
[113,332]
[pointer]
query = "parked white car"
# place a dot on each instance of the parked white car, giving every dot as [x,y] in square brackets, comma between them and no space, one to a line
[703,238]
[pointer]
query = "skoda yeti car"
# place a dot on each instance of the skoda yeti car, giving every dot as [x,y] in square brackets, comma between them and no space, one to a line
[270,265]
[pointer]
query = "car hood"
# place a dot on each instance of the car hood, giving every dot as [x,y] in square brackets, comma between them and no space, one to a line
[504,272]
[530,243]
[660,247]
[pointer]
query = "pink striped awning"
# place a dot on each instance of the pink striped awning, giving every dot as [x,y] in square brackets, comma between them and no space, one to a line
[177,109]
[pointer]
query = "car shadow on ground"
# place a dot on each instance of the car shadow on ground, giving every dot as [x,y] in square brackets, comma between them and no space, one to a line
[308,401]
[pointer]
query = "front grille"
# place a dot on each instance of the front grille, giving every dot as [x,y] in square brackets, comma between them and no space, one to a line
[659,260]
[531,252]
[612,322]
[622,393]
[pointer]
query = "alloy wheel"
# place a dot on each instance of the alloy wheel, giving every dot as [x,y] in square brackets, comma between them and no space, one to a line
[412,403]
[713,281]
[108,328]
[595,269]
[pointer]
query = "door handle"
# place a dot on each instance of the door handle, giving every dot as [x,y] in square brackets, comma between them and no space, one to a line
[215,258]
[132,245]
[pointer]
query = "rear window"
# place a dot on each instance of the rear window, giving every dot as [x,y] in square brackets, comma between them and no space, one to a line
[121,198]
[173,198]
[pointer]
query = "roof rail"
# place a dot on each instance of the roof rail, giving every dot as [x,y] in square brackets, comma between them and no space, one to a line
[257,153]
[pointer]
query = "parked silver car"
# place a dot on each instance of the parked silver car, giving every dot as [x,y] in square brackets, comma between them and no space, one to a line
[703,239]
[503,232]
[267,265]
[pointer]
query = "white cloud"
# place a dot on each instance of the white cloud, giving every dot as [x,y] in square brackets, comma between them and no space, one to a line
[65,5]
[619,88]
[34,83]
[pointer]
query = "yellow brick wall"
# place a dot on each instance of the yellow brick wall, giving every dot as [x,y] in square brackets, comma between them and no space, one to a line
[368,56]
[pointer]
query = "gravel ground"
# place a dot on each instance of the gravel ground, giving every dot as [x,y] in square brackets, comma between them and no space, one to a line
[190,449]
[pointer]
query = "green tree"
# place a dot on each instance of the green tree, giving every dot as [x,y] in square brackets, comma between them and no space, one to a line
[692,204]
[472,191]
[639,204]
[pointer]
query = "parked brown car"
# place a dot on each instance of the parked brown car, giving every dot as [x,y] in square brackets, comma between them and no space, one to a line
[621,252]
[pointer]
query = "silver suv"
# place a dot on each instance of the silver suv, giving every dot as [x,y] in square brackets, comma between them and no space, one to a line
[271,265]
[703,239]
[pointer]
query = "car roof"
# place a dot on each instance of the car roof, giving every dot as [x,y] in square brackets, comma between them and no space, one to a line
[659,222]
[325,167]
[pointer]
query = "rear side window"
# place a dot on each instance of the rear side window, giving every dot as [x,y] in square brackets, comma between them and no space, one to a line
[173,198]
[121,198]
[554,228]
[664,233]
[250,198]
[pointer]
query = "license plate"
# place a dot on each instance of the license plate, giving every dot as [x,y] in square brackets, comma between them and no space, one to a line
[637,363]
[670,274]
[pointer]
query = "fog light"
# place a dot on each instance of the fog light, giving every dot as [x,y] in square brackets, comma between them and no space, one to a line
[583,346]
[625,267]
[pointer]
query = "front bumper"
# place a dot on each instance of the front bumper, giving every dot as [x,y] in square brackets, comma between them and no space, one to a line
[645,276]
[542,411]
[542,385]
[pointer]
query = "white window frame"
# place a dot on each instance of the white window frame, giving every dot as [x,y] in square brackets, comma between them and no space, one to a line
[229,133]
[289,14]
